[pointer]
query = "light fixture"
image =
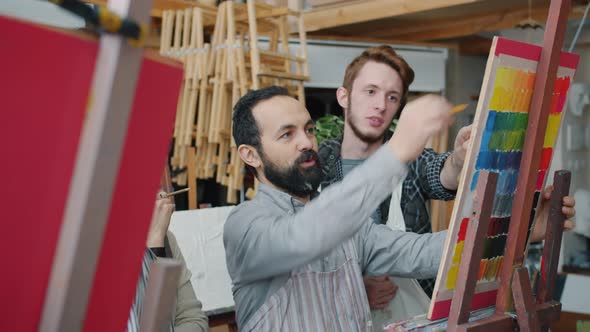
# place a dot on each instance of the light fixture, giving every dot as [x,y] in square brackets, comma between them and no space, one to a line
[529,23]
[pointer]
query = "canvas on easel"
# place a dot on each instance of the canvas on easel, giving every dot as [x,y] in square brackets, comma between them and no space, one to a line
[498,133]
[43,115]
[48,99]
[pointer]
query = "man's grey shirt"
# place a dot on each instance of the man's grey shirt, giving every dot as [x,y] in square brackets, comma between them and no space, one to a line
[268,237]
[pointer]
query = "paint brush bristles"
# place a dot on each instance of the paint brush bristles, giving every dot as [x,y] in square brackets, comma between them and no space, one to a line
[166,195]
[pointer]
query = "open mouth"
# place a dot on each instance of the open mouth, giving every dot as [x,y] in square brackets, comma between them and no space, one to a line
[308,159]
[308,162]
[375,121]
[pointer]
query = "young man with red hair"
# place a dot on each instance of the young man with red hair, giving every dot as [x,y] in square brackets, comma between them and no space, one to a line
[374,92]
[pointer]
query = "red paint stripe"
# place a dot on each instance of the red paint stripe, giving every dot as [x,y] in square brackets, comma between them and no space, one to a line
[481,300]
[546,154]
[495,227]
[554,100]
[462,230]
[532,52]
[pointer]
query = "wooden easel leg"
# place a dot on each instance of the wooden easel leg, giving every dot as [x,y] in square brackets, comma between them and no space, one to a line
[533,144]
[531,317]
[160,295]
[473,251]
[553,235]
[526,312]
[192,179]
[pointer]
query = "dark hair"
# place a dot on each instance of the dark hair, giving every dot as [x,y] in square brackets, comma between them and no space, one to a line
[245,128]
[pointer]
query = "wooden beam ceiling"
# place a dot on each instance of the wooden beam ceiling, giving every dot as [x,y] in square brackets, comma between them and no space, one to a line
[445,22]
[474,45]
[465,26]
[363,11]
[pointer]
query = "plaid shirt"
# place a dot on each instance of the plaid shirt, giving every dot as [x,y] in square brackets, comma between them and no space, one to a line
[421,184]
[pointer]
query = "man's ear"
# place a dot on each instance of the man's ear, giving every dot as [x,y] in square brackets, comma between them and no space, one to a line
[249,155]
[342,97]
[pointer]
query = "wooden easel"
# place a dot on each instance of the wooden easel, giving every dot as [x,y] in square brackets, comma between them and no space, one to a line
[531,315]
[219,73]
[102,146]
[182,37]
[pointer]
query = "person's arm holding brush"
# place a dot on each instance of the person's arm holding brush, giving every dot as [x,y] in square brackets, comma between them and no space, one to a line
[189,315]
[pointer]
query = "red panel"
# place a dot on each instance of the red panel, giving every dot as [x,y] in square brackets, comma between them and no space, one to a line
[480,300]
[45,77]
[144,155]
[532,52]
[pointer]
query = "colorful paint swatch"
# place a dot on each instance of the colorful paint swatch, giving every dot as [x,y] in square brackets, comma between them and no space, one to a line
[482,269]
[552,129]
[562,85]
[498,160]
[502,205]
[474,180]
[458,252]
[546,158]
[500,129]
[452,276]
[512,90]
[487,249]
[463,230]
[507,182]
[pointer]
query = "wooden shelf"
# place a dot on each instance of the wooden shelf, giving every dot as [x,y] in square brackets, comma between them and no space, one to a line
[160,5]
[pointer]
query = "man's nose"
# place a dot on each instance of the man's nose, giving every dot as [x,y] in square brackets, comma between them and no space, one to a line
[380,103]
[305,143]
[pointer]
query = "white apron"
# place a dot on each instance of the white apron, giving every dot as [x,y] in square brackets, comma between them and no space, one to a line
[317,301]
[409,300]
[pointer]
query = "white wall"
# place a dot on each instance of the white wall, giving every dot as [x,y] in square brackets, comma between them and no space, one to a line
[41,12]
[328,61]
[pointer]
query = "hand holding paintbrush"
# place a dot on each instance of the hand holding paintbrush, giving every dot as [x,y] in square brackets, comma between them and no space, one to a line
[163,194]
[421,119]
[163,209]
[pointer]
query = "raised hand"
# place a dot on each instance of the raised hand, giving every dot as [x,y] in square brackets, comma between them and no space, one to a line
[160,221]
[568,208]
[421,119]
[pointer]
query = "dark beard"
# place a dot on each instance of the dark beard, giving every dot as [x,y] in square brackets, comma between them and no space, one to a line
[295,180]
[357,132]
